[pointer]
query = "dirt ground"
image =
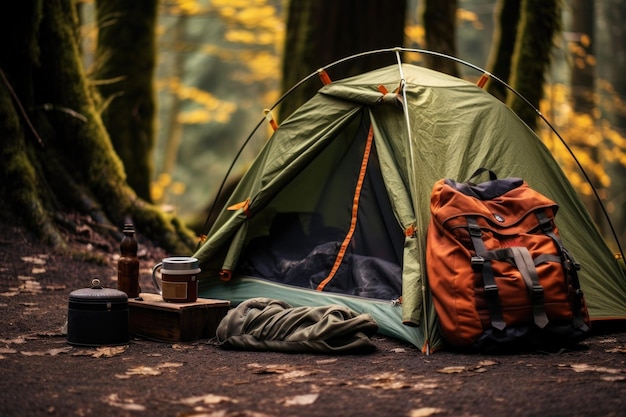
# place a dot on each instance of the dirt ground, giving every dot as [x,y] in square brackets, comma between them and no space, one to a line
[41,375]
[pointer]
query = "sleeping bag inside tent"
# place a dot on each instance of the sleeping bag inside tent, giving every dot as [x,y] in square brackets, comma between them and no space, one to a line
[334,209]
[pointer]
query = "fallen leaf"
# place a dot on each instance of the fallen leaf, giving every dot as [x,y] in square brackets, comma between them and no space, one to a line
[425,412]
[7,350]
[297,374]
[51,352]
[304,399]
[583,367]
[143,370]
[612,378]
[129,405]
[389,381]
[478,368]
[171,365]
[17,341]
[55,287]
[452,369]
[270,369]
[54,352]
[425,385]
[207,399]
[620,349]
[182,347]
[36,259]
[109,351]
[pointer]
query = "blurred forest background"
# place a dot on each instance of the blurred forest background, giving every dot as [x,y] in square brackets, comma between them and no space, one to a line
[219,65]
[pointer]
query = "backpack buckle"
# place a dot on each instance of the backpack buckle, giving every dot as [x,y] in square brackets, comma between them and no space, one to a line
[477,262]
[490,288]
[474,230]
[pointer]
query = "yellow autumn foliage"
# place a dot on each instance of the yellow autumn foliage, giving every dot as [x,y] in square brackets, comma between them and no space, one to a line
[593,141]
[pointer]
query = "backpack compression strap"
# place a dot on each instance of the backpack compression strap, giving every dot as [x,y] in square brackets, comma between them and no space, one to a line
[489,283]
[570,268]
[521,258]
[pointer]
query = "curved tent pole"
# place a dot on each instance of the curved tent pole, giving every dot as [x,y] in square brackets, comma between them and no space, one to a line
[396,50]
[413,186]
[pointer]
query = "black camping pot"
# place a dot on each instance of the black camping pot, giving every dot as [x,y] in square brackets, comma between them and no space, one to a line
[97,316]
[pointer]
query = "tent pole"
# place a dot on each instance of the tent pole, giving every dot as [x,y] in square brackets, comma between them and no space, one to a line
[402,90]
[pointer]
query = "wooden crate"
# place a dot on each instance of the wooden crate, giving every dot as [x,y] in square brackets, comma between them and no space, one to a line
[153,318]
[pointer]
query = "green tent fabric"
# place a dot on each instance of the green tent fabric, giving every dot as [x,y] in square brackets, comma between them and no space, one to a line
[265,324]
[296,207]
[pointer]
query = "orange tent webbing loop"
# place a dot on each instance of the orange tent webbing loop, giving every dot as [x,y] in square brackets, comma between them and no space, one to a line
[226,275]
[202,238]
[483,80]
[410,231]
[270,118]
[243,205]
[355,210]
[324,76]
[383,89]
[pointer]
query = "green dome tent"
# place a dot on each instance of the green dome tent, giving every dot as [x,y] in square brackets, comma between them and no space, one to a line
[334,209]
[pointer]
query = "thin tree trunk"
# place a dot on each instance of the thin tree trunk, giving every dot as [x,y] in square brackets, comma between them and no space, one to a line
[583,69]
[615,15]
[506,16]
[439,19]
[174,127]
[582,82]
[320,32]
[540,21]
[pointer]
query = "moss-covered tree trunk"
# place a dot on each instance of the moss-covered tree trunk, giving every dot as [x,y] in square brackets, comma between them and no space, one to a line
[320,32]
[540,21]
[57,157]
[439,19]
[124,67]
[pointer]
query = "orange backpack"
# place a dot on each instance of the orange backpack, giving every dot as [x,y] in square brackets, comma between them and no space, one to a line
[498,271]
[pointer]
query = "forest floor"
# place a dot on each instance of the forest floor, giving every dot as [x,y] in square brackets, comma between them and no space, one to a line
[42,375]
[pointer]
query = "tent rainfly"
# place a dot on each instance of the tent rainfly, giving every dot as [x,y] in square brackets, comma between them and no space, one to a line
[335,208]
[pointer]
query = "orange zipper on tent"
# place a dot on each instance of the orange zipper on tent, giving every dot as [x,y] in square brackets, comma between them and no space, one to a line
[355,210]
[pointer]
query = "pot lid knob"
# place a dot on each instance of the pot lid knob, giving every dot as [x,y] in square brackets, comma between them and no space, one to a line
[95,283]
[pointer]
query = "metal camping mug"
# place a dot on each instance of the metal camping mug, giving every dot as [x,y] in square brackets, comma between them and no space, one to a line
[179,279]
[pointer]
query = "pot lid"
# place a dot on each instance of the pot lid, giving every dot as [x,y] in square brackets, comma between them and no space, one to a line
[98,293]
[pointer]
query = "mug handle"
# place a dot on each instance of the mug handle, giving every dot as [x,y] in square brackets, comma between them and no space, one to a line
[155,281]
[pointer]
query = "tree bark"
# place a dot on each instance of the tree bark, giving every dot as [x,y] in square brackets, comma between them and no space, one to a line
[583,71]
[57,156]
[439,19]
[320,32]
[506,15]
[615,60]
[540,21]
[124,67]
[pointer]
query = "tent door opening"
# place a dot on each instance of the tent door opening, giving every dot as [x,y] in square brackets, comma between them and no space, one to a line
[332,228]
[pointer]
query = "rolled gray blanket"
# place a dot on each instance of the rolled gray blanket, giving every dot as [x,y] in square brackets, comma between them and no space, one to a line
[265,324]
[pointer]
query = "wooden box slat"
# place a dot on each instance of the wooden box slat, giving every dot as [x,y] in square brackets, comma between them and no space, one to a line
[153,318]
